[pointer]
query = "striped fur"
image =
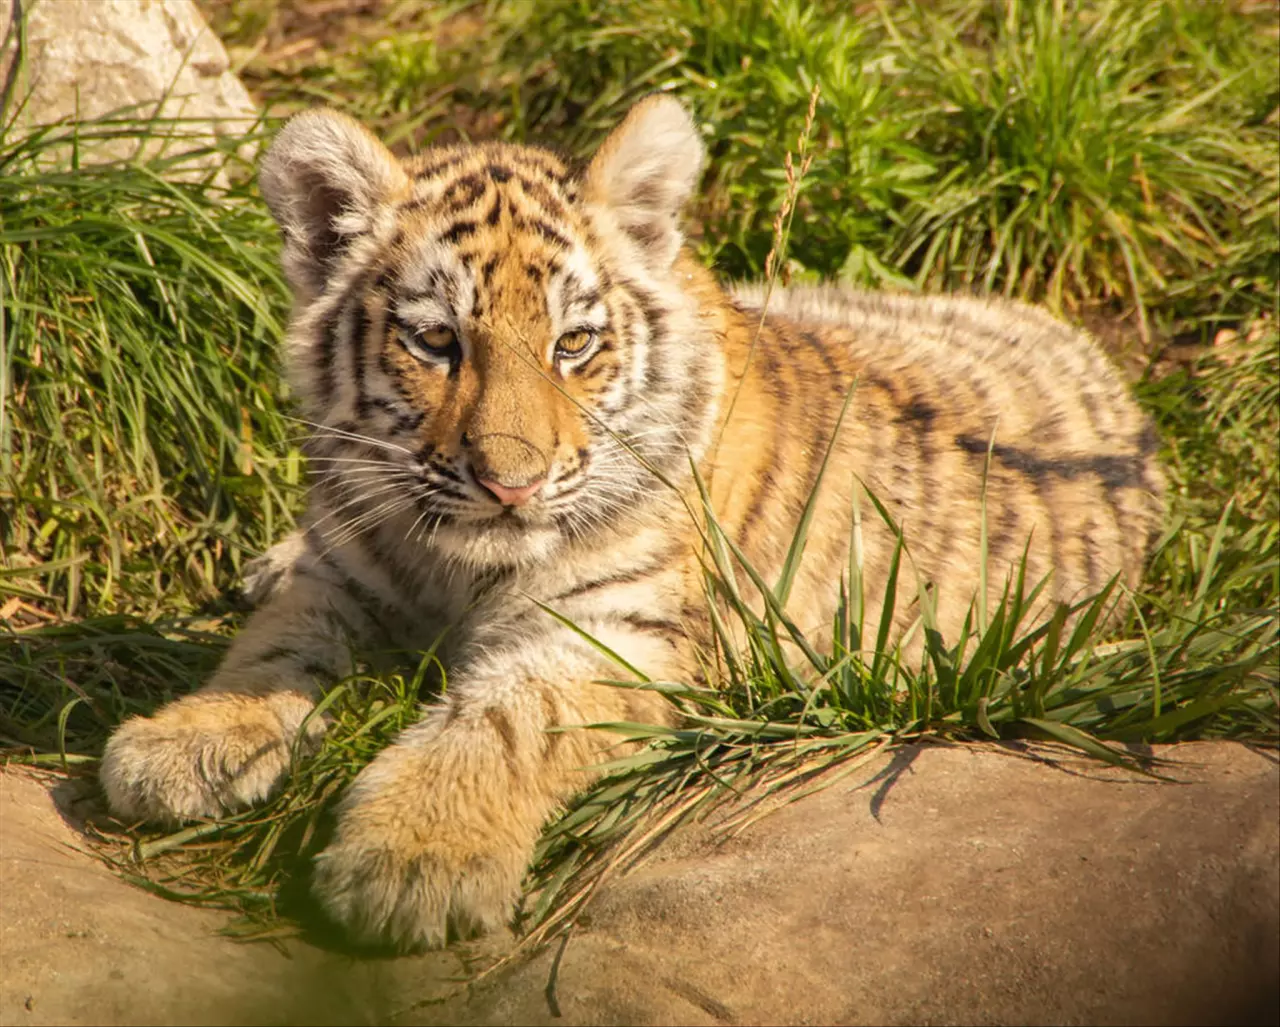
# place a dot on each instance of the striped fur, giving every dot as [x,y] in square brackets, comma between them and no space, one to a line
[512,365]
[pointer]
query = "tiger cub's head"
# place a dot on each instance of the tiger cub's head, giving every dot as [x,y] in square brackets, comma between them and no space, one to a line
[494,342]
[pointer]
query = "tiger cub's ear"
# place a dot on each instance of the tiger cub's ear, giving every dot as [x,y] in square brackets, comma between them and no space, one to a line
[644,172]
[325,179]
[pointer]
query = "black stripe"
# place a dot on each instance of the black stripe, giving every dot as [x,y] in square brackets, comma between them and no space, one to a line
[382,613]
[438,164]
[542,196]
[835,372]
[501,723]
[640,622]
[463,192]
[403,420]
[329,337]
[540,162]
[918,411]
[774,377]
[626,577]
[764,489]
[416,204]
[394,376]
[407,422]
[1000,540]
[543,229]
[443,469]
[281,652]
[652,313]
[458,232]
[337,624]
[359,334]
[436,285]
[324,355]
[1113,471]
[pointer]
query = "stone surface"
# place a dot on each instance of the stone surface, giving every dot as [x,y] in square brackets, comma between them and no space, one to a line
[958,886]
[86,58]
[78,945]
[940,885]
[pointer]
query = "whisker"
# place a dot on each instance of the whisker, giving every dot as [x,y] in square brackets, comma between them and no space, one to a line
[366,496]
[343,433]
[366,522]
[372,461]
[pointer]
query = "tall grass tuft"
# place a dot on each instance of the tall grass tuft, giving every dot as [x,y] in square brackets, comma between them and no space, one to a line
[143,450]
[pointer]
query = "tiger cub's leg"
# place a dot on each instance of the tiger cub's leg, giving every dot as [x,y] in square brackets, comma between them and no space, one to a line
[227,746]
[440,827]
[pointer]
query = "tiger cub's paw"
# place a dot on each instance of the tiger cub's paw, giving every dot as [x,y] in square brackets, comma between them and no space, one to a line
[414,866]
[206,755]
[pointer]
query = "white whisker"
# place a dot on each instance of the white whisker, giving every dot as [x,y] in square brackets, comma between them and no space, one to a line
[343,433]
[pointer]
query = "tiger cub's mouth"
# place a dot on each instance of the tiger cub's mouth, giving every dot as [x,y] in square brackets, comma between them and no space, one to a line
[520,502]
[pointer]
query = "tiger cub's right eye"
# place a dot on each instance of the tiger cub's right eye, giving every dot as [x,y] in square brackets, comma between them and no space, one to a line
[435,344]
[575,344]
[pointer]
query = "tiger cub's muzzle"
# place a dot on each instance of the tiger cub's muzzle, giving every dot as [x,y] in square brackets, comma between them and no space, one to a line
[509,468]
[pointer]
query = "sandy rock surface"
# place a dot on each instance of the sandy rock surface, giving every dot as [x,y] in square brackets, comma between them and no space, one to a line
[92,57]
[939,885]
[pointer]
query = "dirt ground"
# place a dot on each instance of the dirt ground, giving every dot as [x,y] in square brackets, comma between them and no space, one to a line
[941,885]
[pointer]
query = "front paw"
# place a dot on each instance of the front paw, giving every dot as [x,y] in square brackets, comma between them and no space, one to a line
[409,866]
[203,756]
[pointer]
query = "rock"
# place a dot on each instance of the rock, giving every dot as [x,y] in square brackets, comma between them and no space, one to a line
[957,885]
[80,946]
[968,884]
[87,58]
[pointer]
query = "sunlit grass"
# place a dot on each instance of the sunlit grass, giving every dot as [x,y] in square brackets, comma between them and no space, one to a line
[142,447]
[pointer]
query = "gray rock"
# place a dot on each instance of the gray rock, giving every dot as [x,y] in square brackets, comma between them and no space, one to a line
[87,58]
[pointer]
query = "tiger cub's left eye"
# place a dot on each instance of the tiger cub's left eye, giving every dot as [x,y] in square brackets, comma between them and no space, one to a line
[575,344]
[437,338]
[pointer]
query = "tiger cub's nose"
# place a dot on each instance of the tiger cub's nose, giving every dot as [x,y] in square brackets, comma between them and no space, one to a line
[511,495]
[510,468]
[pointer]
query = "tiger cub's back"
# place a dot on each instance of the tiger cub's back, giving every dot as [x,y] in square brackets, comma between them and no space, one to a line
[946,384]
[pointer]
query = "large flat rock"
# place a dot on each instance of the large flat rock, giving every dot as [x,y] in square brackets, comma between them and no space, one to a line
[941,885]
[956,885]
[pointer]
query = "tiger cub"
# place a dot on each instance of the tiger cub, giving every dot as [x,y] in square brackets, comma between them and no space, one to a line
[512,364]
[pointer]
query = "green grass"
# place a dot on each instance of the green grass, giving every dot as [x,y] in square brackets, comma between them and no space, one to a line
[143,446]
[1111,159]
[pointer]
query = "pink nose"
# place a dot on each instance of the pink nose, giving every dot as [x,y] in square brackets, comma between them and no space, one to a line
[512,496]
